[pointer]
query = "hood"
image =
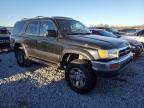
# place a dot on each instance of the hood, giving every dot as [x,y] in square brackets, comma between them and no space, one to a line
[130,40]
[94,41]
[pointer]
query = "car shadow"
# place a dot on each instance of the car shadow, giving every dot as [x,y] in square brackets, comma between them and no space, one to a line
[9,66]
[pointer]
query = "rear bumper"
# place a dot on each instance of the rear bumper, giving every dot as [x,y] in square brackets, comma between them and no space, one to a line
[111,68]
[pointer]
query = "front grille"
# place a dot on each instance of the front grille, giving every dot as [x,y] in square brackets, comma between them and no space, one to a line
[124,52]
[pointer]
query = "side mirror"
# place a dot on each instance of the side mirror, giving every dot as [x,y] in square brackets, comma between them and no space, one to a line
[51,33]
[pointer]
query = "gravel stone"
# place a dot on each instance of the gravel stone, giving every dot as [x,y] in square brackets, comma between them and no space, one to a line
[40,86]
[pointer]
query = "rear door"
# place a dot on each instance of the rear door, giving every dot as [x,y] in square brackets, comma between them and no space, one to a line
[30,35]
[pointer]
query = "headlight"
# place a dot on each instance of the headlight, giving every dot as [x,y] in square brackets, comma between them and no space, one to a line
[108,54]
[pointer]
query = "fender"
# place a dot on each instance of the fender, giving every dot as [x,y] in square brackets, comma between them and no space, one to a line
[77,51]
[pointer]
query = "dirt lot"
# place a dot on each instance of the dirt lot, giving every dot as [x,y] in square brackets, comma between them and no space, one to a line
[39,86]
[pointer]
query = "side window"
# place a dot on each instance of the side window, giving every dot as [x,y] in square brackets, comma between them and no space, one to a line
[32,28]
[18,28]
[46,25]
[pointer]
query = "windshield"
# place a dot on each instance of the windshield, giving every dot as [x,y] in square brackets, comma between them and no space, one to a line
[72,27]
[108,34]
[3,31]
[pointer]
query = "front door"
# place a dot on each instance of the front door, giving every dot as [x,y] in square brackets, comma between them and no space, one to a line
[49,47]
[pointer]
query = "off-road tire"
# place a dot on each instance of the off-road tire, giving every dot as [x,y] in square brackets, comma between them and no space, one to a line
[90,77]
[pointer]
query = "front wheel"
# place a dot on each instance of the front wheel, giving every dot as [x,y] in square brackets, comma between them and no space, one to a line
[80,76]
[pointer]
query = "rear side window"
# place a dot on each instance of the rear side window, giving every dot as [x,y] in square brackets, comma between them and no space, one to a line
[32,28]
[18,28]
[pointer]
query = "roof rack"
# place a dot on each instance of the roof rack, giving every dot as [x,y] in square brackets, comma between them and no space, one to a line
[40,17]
[60,17]
[37,17]
[25,18]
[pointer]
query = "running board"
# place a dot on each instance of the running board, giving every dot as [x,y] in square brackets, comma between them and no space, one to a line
[43,62]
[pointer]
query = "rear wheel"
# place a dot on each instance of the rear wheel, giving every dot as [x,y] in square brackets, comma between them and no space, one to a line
[80,76]
[21,57]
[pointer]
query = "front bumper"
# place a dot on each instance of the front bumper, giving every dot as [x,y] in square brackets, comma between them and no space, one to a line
[111,68]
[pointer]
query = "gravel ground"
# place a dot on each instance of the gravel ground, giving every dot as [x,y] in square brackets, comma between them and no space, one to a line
[40,86]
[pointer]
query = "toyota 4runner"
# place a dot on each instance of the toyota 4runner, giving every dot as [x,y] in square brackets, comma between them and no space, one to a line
[68,44]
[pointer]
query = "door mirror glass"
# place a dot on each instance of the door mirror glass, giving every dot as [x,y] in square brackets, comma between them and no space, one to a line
[51,33]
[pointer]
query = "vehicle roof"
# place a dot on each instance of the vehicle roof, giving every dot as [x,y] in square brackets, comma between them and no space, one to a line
[41,17]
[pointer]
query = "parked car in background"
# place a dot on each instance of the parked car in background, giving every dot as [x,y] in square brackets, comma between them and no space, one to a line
[129,31]
[139,36]
[4,38]
[111,30]
[68,44]
[136,47]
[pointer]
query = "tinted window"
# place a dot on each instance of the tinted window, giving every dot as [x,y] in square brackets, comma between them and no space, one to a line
[32,28]
[46,25]
[18,28]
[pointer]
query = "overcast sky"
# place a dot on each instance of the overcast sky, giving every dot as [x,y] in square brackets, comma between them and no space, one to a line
[90,12]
